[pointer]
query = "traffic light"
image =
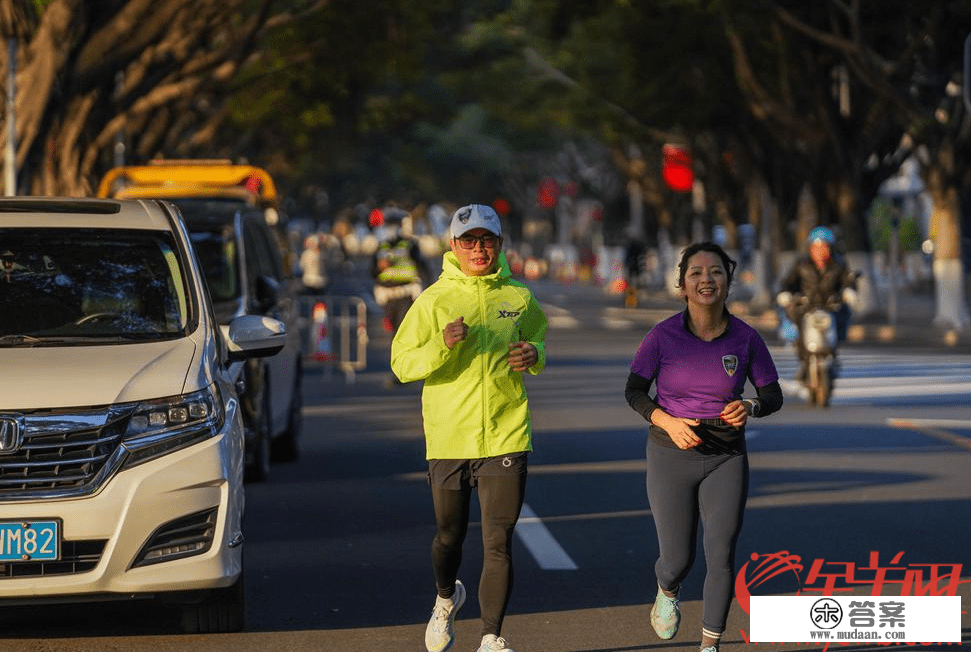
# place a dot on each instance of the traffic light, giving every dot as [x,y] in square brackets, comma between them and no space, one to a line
[549,193]
[677,168]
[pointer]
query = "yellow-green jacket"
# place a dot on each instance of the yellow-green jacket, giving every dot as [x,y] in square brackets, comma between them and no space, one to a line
[473,404]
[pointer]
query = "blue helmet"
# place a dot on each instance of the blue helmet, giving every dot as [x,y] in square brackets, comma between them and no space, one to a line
[822,234]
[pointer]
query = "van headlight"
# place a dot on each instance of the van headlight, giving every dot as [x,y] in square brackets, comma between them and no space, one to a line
[159,427]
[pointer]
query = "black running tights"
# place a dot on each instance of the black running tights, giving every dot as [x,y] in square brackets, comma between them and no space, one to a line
[500,499]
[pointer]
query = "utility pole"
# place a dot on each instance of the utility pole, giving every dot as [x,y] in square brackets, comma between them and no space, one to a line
[10,151]
[120,136]
[966,90]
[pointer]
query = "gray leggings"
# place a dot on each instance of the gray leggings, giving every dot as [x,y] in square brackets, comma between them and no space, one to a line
[681,486]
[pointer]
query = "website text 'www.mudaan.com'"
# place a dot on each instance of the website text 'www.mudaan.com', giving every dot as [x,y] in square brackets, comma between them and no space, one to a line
[924,610]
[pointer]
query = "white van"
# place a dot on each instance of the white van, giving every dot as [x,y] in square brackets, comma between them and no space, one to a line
[121,442]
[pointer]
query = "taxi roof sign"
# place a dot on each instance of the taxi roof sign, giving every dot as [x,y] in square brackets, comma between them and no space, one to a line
[216,178]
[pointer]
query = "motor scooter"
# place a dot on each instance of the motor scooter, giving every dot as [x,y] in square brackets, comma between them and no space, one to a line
[819,339]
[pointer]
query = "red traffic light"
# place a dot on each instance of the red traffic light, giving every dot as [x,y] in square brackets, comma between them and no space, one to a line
[549,193]
[677,168]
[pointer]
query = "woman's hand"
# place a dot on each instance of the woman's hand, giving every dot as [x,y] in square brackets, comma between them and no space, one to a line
[735,414]
[522,356]
[679,429]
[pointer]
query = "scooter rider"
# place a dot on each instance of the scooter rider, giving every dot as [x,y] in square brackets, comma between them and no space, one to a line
[818,280]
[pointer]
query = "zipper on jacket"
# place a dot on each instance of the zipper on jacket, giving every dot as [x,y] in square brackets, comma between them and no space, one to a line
[484,366]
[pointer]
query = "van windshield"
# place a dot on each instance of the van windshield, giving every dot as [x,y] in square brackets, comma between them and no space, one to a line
[90,286]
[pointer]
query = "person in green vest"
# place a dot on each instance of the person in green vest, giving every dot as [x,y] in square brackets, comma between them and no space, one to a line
[399,274]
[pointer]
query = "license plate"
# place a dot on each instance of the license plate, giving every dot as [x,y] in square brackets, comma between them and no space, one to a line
[30,541]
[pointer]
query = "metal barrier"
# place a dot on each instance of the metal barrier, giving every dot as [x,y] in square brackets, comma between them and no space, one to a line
[336,332]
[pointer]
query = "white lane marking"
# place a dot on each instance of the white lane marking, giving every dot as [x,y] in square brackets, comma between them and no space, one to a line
[558,317]
[544,548]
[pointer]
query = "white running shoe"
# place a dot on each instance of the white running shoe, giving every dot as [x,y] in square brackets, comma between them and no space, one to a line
[493,643]
[440,633]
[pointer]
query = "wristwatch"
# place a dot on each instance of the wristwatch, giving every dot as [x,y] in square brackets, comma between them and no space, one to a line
[752,406]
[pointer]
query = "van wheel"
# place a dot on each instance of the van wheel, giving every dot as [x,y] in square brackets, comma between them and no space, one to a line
[223,610]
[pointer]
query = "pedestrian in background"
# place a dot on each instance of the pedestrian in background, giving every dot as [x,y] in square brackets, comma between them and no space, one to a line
[697,466]
[313,270]
[399,272]
[469,337]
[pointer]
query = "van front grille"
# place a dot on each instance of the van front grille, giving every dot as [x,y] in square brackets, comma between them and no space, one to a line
[61,452]
[76,557]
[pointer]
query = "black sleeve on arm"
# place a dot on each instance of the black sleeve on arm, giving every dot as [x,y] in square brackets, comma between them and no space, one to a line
[770,398]
[638,398]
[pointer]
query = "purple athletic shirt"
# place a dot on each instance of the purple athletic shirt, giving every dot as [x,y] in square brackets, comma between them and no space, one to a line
[694,378]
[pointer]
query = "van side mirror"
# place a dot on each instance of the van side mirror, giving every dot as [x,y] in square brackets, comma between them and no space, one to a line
[254,336]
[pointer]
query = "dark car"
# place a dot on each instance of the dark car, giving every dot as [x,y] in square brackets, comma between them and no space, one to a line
[243,261]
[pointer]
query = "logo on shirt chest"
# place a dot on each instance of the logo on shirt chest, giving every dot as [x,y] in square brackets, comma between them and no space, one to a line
[730,364]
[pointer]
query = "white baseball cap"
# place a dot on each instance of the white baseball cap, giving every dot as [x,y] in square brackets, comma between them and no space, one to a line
[475,216]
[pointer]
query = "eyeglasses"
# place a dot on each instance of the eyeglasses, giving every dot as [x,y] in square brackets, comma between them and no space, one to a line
[487,241]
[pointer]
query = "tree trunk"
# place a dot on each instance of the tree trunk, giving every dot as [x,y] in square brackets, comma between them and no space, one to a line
[635,228]
[807,216]
[156,71]
[952,308]
[859,258]
[763,213]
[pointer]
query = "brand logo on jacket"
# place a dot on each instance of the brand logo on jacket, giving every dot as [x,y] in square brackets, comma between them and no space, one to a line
[730,364]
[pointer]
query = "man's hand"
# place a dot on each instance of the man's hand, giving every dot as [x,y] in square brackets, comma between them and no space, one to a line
[455,332]
[522,356]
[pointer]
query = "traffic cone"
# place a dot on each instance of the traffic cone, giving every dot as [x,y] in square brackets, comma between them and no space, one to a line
[322,349]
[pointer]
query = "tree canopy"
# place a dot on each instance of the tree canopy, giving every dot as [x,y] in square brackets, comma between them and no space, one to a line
[470,98]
